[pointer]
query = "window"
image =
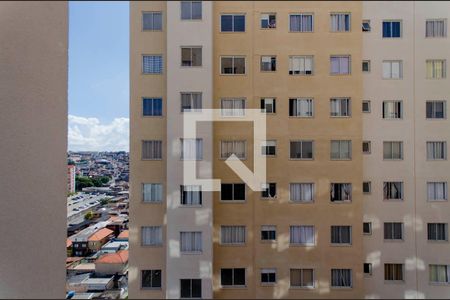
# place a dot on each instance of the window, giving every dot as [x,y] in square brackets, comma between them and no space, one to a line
[437,232]
[367,269]
[392,69]
[392,109]
[367,187]
[301,150]
[233,107]
[190,288]
[393,272]
[268,233]
[232,23]
[340,22]
[437,191]
[191,149]
[228,148]
[232,277]
[232,192]
[366,26]
[232,234]
[436,109]
[366,65]
[301,192]
[393,231]
[232,65]
[191,56]
[392,150]
[152,192]
[340,65]
[302,278]
[301,107]
[367,228]
[191,102]
[152,150]
[436,68]
[152,107]
[151,235]
[341,192]
[191,241]
[152,64]
[268,20]
[366,147]
[340,107]
[366,106]
[152,20]
[392,29]
[439,273]
[269,148]
[341,235]
[302,235]
[341,278]
[191,10]
[270,190]
[341,150]
[150,279]
[436,150]
[268,276]
[393,190]
[268,63]
[301,22]
[436,28]
[191,195]
[268,105]
[301,65]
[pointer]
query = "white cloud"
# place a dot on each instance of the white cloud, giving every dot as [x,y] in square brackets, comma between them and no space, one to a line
[89,134]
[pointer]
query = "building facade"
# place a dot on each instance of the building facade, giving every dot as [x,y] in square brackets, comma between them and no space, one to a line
[354,99]
[71,178]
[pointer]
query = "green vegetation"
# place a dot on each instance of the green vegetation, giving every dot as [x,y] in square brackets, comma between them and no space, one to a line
[89,215]
[104,201]
[71,194]
[84,181]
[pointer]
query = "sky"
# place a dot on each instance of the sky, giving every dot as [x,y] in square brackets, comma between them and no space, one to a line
[98,76]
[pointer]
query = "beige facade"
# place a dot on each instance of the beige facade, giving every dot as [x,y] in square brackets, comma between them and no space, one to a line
[33,131]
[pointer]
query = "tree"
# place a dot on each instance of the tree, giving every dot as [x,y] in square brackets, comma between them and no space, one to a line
[89,215]
[104,201]
[82,182]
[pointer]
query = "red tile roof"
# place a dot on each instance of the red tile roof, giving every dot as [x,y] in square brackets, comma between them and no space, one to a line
[123,235]
[68,243]
[121,257]
[100,235]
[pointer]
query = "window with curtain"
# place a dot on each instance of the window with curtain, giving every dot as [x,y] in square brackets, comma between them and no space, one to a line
[232,234]
[191,288]
[393,190]
[436,150]
[152,192]
[302,278]
[191,102]
[392,150]
[301,65]
[392,29]
[268,276]
[301,150]
[191,195]
[439,273]
[232,107]
[152,20]
[393,272]
[232,277]
[436,28]
[151,235]
[232,65]
[232,23]
[191,56]
[302,22]
[269,190]
[301,107]
[152,64]
[301,192]
[152,150]
[190,241]
[238,148]
[268,232]
[268,20]
[232,192]
[340,65]
[268,63]
[151,107]
[341,150]
[340,107]
[340,192]
[392,69]
[268,105]
[436,109]
[437,191]
[302,235]
[437,231]
[341,278]
[340,22]
[150,279]
[436,68]
[191,149]
[341,235]
[393,231]
[392,109]
[269,148]
[191,10]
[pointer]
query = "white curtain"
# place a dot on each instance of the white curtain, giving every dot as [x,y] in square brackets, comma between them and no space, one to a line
[152,192]
[436,150]
[341,277]
[152,149]
[439,273]
[192,149]
[233,107]
[191,194]
[437,190]
[340,22]
[151,235]
[233,234]
[232,147]
[301,192]
[303,235]
[301,23]
[436,28]
[191,241]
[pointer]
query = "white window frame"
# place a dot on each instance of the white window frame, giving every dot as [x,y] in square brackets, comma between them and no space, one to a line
[338,28]
[301,14]
[233,57]
[389,65]
[303,60]
[159,192]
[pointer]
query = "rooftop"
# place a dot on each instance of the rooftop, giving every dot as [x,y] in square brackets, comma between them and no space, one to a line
[120,257]
[100,235]
[124,234]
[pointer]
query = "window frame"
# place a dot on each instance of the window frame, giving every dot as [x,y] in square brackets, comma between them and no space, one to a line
[302,286]
[268,20]
[233,57]
[152,55]
[300,99]
[433,112]
[191,288]
[301,141]
[233,285]
[232,192]
[349,22]
[340,142]
[401,113]
[232,22]
[392,239]
[369,104]
[221,155]
[272,59]
[304,58]
[433,61]
[346,100]
[370,228]
[151,280]
[391,21]
[153,201]
[349,65]
[301,14]
[394,265]
[153,13]
[263,103]
[340,243]
[263,153]
[268,240]
[390,62]
[152,159]
[191,101]
[191,11]
[436,20]
[153,107]
[191,48]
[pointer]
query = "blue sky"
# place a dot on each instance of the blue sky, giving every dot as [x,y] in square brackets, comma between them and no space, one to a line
[98,75]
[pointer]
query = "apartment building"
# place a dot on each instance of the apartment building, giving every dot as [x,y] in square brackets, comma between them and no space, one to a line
[354,99]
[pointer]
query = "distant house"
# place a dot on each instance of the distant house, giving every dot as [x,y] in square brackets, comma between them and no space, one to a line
[117,224]
[90,239]
[69,247]
[70,178]
[123,236]
[99,238]
[112,263]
